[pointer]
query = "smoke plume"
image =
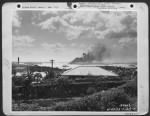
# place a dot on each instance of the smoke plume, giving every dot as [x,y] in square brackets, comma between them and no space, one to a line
[97,53]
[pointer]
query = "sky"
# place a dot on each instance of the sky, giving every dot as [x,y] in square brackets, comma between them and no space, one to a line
[65,35]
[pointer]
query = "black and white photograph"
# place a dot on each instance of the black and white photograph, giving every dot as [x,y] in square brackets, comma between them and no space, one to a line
[74,60]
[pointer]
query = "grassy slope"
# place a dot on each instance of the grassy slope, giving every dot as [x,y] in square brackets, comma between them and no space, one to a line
[103,101]
[100,101]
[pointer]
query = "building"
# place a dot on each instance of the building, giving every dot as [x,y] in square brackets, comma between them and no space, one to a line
[88,72]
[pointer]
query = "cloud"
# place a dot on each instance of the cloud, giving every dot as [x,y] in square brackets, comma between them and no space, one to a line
[23,41]
[129,28]
[121,34]
[76,16]
[49,24]
[78,46]
[60,25]
[53,47]
[127,42]
[97,25]
[82,29]
[63,24]
[73,44]
[129,21]
[16,22]
[74,32]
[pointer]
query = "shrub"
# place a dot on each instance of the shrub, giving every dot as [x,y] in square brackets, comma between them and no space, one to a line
[91,90]
[95,102]
[130,88]
[62,81]
[18,81]
[100,101]
[113,98]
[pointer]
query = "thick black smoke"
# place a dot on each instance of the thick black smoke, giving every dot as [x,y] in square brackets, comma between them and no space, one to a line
[98,53]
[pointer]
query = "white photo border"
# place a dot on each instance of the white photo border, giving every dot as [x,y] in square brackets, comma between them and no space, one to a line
[143,71]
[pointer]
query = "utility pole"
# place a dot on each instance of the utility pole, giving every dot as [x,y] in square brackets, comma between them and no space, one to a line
[18,60]
[51,72]
[52,61]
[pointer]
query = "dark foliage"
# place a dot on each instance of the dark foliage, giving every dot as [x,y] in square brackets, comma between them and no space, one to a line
[124,73]
[100,101]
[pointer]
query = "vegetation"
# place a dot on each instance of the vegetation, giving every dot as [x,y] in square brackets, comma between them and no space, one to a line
[93,94]
[124,73]
[119,99]
[103,101]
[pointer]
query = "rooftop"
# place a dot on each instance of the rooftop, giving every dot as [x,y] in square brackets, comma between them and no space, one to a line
[88,71]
